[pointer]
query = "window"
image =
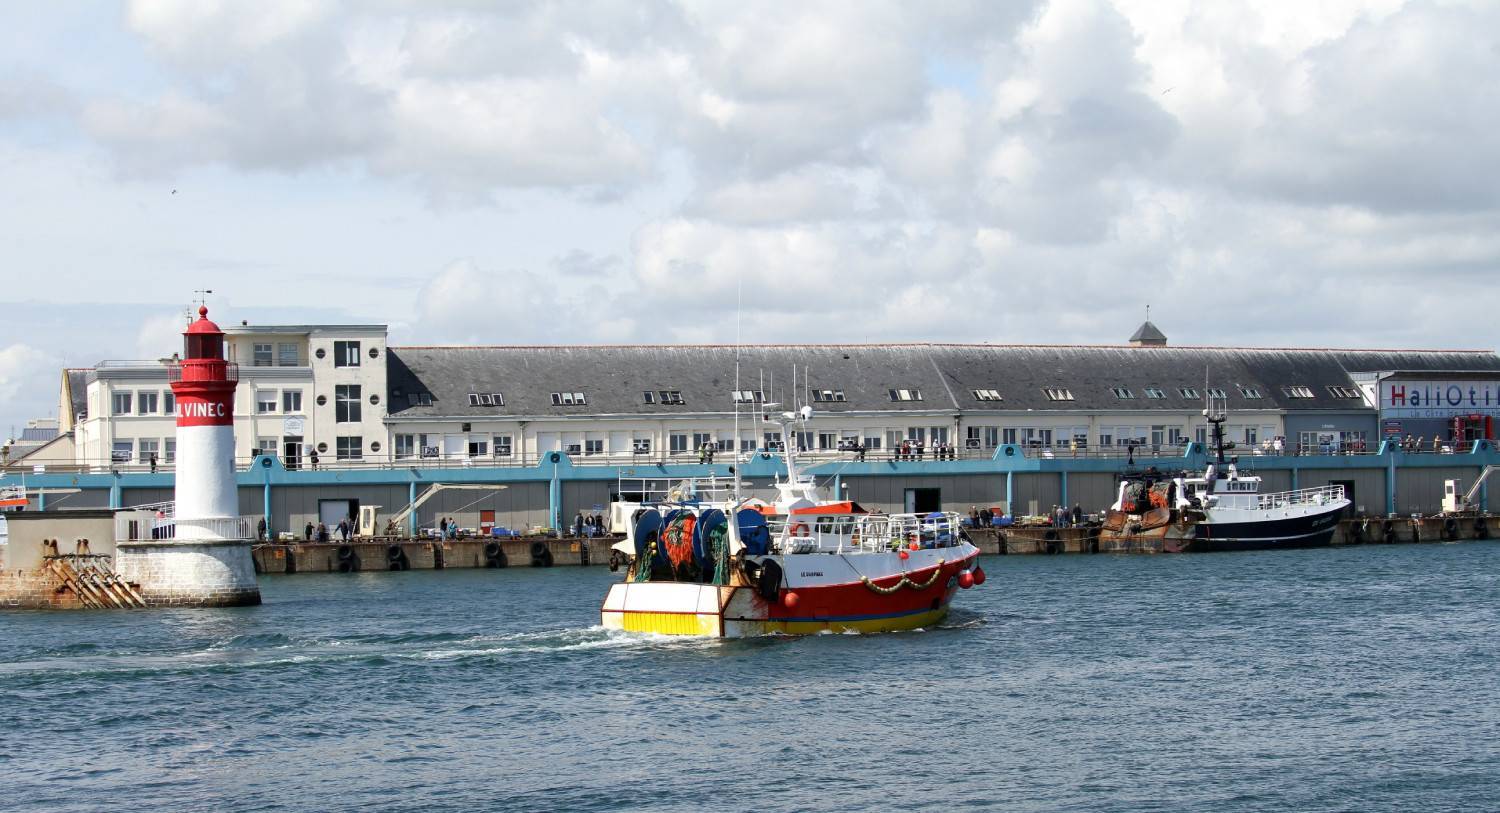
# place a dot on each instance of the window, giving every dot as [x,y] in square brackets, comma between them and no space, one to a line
[828,441]
[169,450]
[1009,434]
[1215,392]
[1122,392]
[648,396]
[502,445]
[641,446]
[872,442]
[677,443]
[671,397]
[1297,392]
[148,447]
[265,401]
[291,401]
[122,451]
[262,355]
[346,403]
[1252,392]
[1155,393]
[406,446]
[1056,394]
[939,435]
[169,403]
[701,439]
[346,354]
[486,399]
[1189,393]
[417,399]
[479,448]
[122,402]
[286,354]
[988,395]
[349,447]
[749,397]
[568,399]
[145,403]
[1106,435]
[1343,392]
[593,446]
[827,396]
[264,446]
[906,395]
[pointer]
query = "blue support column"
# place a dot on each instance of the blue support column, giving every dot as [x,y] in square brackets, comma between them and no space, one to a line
[1294,478]
[1010,493]
[266,507]
[554,500]
[41,499]
[1063,501]
[838,485]
[411,519]
[114,492]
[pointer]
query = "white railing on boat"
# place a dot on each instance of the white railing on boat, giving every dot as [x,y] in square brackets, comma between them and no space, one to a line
[864,533]
[1322,495]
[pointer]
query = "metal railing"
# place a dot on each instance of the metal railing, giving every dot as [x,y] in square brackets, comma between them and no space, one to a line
[868,533]
[1322,495]
[145,526]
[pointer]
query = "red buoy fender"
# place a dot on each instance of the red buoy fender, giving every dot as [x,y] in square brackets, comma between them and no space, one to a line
[979,575]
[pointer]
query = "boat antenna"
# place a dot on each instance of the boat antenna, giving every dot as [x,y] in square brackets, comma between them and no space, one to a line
[735,443]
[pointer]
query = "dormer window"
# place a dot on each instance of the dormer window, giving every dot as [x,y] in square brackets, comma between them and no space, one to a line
[568,399]
[1058,394]
[1155,393]
[1215,392]
[1297,392]
[1122,392]
[1252,392]
[668,397]
[1343,392]
[828,396]
[906,395]
[486,399]
[749,397]
[1190,393]
[987,395]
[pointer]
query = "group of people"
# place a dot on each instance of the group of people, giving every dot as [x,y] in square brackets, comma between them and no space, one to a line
[321,533]
[917,450]
[1062,517]
[1419,443]
[447,528]
[706,453]
[588,525]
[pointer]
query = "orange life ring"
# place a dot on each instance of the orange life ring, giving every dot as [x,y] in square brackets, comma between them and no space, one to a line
[800,529]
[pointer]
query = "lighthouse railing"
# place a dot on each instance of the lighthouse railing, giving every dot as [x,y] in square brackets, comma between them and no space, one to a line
[143,526]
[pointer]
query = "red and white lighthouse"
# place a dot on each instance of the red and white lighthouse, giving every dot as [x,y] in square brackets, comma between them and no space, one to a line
[204,561]
[204,385]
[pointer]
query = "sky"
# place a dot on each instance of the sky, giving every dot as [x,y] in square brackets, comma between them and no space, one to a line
[1310,174]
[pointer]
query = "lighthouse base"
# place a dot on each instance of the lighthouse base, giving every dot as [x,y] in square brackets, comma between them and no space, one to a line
[190,573]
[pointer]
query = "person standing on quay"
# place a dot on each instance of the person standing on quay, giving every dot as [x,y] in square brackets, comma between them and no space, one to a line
[307,532]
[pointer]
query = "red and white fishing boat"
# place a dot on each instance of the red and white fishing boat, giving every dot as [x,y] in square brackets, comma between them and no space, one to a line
[802,565]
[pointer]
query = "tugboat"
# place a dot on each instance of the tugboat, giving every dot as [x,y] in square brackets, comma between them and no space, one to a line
[802,565]
[1221,510]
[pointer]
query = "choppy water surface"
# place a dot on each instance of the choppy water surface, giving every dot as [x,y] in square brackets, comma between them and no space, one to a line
[1358,679]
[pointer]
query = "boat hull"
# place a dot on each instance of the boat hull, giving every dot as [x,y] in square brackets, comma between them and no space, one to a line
[831,596]
[1308,531]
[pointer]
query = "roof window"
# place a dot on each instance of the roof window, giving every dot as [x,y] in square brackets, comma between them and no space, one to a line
[1297,392]
[1190,393]
[1252,392]
[417,399]
[1057,394]
[486,399]
[987,395]
[1215,392]
[568,399]
[906,395]
[1155,392]
[749,397]
[1122,392]
[827,396]
[1343,392]
[670,397]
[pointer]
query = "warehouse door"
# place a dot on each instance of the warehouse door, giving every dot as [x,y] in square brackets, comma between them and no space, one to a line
[332,512]
[924,500]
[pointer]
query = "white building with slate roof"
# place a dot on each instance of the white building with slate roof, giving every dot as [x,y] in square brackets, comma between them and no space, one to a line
[340,390]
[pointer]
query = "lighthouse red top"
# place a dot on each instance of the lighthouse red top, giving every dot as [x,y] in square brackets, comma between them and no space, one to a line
[203,381]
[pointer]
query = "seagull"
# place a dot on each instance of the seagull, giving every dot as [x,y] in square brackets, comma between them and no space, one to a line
[174,191]
[1169,90]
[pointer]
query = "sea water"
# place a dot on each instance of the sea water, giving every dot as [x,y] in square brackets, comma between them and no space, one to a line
[1352,679]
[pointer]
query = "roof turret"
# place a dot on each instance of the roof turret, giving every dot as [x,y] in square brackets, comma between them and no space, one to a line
[1147,335]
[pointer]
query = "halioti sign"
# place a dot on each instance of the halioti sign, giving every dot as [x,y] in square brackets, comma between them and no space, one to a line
[1438,399]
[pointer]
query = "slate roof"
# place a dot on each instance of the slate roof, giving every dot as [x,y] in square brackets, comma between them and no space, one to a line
[614,377]
[78,389]
[1148,333]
